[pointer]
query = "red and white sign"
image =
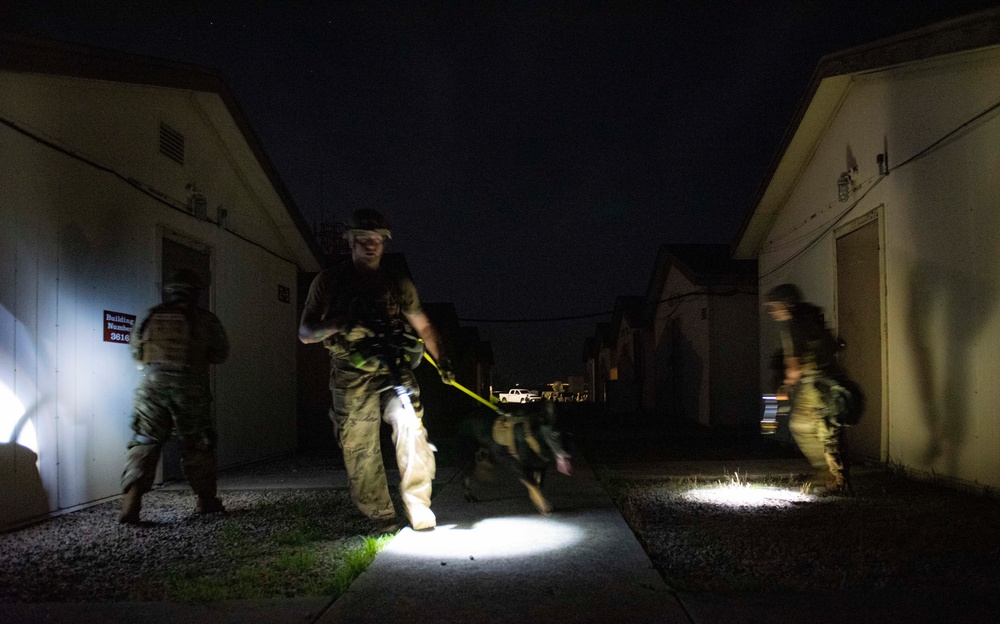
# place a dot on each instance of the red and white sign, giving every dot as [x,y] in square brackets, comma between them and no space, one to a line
[118,326]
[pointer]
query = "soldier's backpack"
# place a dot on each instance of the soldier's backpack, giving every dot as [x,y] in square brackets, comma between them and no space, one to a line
[845,402]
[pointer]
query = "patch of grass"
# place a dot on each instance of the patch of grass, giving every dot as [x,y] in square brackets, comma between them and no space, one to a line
[317,569]
[296,544]
[300,534]
[355,562]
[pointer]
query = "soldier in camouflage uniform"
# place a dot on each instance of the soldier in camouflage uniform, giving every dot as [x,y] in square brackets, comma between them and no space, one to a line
[810,355]
[175,344]
[344,306]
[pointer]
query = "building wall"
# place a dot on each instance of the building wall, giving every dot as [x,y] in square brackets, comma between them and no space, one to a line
[735,398]
[76,241]
[682,354]
[941,256]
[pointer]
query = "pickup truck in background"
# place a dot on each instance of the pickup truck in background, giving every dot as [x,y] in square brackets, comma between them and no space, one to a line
[520,395]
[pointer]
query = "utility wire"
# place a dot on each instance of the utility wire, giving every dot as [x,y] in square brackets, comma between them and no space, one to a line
[553,319]
[137,185]
[933,147]
[781,242]
[940,142]
[815,241]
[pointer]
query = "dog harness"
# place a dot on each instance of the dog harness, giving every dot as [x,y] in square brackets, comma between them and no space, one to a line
[504,428]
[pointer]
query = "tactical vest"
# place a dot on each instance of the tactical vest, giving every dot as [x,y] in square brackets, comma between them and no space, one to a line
[504,428]
[168,341]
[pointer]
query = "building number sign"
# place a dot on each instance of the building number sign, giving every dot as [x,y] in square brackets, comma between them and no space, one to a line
[118,326]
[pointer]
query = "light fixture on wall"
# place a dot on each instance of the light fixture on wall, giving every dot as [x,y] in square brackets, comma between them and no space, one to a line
[197,204]
[883,164]
[844,186]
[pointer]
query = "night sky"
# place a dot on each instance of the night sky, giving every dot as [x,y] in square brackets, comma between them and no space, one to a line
[531,156]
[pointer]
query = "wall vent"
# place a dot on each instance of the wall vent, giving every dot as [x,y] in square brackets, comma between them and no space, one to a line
[171,143]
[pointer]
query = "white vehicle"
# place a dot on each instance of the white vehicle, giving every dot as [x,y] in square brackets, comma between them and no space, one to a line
[520,395]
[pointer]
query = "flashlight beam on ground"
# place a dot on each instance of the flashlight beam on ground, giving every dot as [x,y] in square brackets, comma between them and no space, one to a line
[490,538]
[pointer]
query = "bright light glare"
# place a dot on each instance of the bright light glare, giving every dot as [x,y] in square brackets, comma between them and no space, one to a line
[737,495]
[11,411]
[493,537]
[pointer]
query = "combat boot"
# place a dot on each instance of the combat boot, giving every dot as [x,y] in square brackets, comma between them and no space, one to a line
[389,526]
[131,504]
[421,518]
[837,482]
[208,504]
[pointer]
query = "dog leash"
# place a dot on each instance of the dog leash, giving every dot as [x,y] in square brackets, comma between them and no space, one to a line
[463,388]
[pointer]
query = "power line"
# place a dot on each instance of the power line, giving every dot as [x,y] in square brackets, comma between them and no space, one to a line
[137,185]
[933,147]
[798,254]
[554,319]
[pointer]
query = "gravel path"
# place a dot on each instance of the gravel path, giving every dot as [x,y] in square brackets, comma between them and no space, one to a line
[86,556]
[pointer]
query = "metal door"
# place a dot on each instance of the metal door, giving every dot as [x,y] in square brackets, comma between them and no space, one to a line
[859,325]
[177,256]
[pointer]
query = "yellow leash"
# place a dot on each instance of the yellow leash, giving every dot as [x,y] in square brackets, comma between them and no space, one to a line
[503,428]
[463,388]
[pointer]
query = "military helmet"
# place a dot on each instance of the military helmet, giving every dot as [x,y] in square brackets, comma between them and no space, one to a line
[183,283]
[788,294]
[370,220]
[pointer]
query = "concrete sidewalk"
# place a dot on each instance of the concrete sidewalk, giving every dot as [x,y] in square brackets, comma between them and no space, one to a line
[500,561]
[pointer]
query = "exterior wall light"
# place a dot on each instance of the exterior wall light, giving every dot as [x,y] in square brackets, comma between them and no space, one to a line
[844,186]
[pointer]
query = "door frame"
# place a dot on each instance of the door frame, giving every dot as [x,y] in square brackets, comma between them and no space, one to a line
[876,214]
[170,451]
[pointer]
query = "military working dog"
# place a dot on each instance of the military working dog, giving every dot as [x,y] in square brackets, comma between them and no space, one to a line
[522,439]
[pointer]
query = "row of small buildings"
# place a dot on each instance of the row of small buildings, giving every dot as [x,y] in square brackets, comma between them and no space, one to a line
[883,205]
[116,170]
[687,349]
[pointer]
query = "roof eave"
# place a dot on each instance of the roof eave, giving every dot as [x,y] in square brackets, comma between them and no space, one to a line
[22,53]
[823,97]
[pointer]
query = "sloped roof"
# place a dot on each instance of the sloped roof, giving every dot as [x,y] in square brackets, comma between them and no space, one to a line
[603,334]
[21,53]
[703,264]
[826,91]
[628,309]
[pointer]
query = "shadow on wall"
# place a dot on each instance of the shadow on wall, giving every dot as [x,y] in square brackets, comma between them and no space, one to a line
[943,353]
[678,377]
[22,495]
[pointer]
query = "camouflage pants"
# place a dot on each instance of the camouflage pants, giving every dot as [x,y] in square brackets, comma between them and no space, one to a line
[361,400]
[818,438]
[169,403]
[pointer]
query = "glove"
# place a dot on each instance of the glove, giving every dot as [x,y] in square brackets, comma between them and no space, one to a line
[358,332]
[447,374]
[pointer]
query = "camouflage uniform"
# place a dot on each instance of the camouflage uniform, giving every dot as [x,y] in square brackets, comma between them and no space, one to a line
[820,438]
[363,394]
[176,343]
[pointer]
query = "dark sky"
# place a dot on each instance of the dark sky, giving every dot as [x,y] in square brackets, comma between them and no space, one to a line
[531,156]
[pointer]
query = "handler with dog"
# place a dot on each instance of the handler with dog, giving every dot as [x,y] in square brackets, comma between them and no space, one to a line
[346,305]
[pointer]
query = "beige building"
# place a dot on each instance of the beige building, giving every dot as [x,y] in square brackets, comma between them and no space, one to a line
[114,172]
[701,359]
[883,205]
[627,361]
[597,363]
